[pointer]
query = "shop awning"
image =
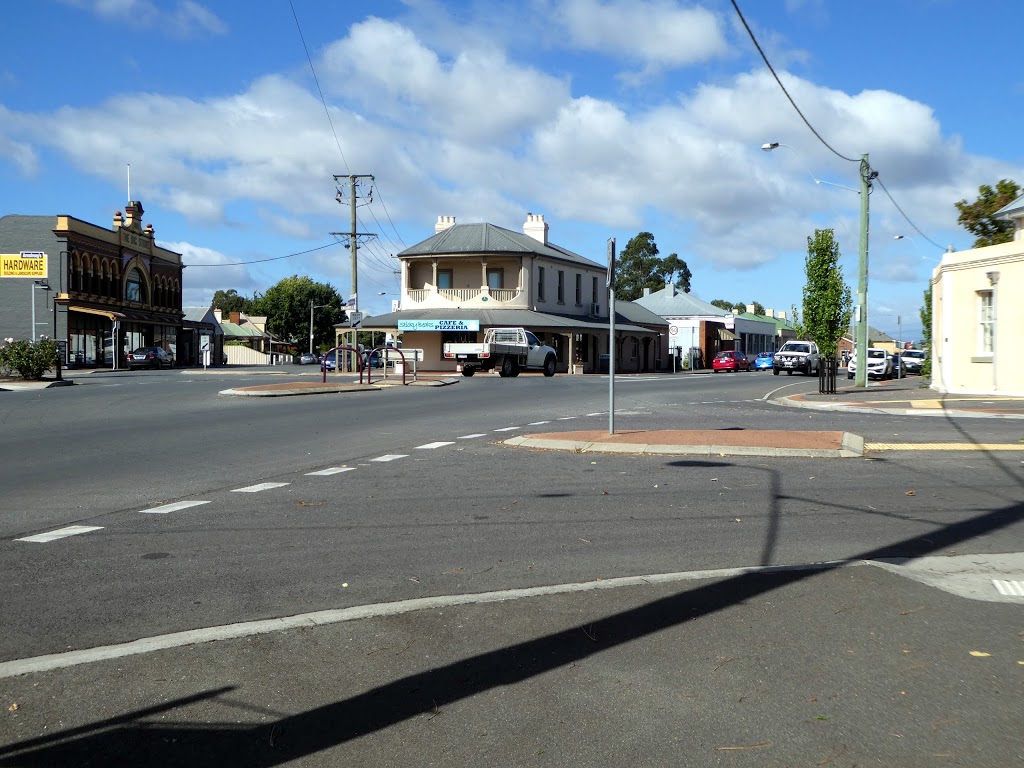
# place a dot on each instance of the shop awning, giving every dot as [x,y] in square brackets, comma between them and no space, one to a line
[107,313]
[724,334]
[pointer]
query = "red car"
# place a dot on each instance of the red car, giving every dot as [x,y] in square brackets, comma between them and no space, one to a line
[730,361]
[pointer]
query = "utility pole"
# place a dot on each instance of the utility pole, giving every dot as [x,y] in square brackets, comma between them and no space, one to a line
[610,281]
[353,236]
[861,348]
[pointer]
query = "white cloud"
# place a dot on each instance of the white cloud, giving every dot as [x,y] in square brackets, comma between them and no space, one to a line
[212,271]
[658,33]
[186,18]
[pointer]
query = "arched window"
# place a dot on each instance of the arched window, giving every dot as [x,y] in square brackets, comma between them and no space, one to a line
[135,287]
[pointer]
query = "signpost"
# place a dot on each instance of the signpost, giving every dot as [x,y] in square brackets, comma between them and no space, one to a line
[439,325]
[610,282]
[204,348]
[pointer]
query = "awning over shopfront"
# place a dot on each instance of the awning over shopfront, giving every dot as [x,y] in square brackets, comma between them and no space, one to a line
[724,334]
[107,313]
[492,318]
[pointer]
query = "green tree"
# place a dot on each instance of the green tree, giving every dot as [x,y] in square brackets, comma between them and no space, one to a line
[286,305]
[231,301]
[722,304]
[926,331]
[828,303]
[758,308]
[639,267]
[977,219]
[675,272]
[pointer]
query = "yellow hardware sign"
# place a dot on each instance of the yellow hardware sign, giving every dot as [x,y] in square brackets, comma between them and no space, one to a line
[24,264]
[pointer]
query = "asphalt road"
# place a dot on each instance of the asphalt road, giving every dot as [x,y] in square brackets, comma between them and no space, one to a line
[466,516]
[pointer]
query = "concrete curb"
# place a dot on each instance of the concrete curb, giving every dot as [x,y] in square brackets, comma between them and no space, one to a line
[17,386]
[938,412]
[296,392]
[853,447]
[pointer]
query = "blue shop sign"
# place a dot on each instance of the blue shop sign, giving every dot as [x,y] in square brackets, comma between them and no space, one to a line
[439,325]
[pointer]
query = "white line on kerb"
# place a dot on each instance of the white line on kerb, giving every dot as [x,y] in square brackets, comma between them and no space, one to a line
[339,615]
[258,487]
[431,446]
[163,510]
[769,394]
[60,533]
[331,471]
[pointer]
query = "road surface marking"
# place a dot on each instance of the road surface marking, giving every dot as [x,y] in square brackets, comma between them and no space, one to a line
[391,457]
[944,446]
[331,471]
[430,446]
[509,429]
[258,487]
[60,533]
[1013,588]
[565,418]
[599,413]
[536,423]
[470,437]
[163,510]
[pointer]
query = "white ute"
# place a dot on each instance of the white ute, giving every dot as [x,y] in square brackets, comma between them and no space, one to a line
[510,350]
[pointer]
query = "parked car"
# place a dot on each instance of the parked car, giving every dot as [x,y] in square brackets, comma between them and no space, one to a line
[149,357]
[763,362]
[801,356]
[730,360]
[879,364]
[912,360]
[308,358]
[373,360]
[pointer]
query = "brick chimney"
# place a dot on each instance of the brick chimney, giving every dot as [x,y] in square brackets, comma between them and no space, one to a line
[536,228]
[443,223]
[235,317]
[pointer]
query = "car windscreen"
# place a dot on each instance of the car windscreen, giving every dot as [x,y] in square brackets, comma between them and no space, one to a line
[917,355]
[876,353]
[795,348]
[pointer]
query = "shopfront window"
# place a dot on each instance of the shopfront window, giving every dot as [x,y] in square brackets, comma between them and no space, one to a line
[134,287]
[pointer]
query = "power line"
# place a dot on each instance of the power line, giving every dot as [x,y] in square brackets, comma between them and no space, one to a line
[261,261]
[389,219]
[791,101]
[317,81]
[904,215]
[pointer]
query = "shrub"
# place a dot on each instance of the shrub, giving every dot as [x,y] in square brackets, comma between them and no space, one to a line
[28,359]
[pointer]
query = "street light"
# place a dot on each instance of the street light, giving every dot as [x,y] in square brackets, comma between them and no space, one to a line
[866,177]
[313,306]
[42,285]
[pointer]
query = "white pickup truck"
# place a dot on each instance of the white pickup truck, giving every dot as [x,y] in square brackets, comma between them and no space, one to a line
[510,350]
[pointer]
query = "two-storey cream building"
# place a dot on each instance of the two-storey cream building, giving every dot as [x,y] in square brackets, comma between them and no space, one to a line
[494,277]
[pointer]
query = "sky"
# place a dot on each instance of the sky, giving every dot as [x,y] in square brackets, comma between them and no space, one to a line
[609,117]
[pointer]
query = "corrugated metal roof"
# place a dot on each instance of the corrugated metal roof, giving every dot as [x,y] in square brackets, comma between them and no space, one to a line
[671,303]
[246,331]
[488,238]
[1015,207]
[493,318]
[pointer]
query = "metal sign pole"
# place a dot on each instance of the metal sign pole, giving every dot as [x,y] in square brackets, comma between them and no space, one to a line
[610,280]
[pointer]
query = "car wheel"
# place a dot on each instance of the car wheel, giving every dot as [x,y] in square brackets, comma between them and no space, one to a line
[789,373]
[714,370]
[849,375]
[515,369]
[775,372]
[468,370]
[549,366]
[507,365]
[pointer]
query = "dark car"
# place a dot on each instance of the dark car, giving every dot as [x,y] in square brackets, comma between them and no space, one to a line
[308,358]
[373,360]
[149,357]
[730,361]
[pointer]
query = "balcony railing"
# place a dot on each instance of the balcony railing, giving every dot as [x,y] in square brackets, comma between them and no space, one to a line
[474,296]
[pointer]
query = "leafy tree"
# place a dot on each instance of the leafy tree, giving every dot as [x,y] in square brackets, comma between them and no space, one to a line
[977,219]
[722,304]
[640,267]
[926,331]
[758,308]
[286,305]
[231,301]
[675,271]
[828,304]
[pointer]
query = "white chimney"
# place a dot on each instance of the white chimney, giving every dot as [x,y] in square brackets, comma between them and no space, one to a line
[781,314]
[769,313]
[443,223]
[750,308]
[536,228]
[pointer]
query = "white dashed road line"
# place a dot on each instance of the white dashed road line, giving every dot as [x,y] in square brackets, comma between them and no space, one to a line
[391,457]
[601,413]
[535,424]
[259,487]
[331,471]
[60,533]
[430,446]
[163,510]
[505,429]
[565,418]
[470,437]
